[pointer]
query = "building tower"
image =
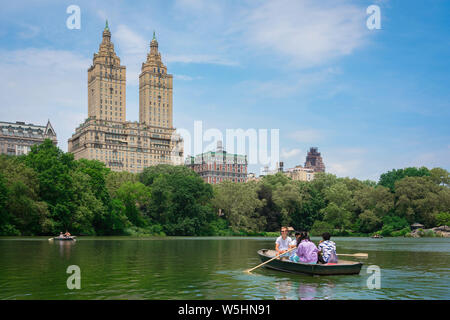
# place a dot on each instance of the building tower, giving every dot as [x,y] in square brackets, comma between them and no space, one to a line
[155,90]
[107,83]
[314,160]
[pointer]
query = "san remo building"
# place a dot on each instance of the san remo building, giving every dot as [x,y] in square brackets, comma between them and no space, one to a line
[106,135]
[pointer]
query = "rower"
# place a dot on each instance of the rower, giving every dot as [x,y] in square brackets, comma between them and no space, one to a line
[282,243]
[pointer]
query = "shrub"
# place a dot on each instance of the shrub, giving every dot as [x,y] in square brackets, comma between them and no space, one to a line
[443,219]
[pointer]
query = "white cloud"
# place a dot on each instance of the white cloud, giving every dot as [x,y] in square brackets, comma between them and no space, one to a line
[41,84]
[287,154]
[306,32]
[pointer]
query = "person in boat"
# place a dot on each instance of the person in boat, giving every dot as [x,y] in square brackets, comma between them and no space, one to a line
[61,235]
[283,241]
[293,254]
[306,249]
[327,250]
[67,234]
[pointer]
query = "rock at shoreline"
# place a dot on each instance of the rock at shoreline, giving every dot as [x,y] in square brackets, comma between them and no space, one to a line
[442,231]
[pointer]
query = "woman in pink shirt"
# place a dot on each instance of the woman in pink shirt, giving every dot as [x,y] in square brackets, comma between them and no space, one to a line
[306,250]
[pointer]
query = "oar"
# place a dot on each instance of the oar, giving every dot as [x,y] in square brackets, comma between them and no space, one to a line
[250,270]
[357,255]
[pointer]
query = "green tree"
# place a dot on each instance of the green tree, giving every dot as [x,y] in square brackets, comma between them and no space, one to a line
[289,200]
[419,199]
[389,178]
[181,200]
[440,176]
[53,168]
[135,197]
[239,203]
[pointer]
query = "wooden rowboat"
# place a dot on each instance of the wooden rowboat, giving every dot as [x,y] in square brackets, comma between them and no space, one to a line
[342,267]
[71,238]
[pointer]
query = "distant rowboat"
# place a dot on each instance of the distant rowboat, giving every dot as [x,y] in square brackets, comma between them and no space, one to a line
[342,267]
[70,238]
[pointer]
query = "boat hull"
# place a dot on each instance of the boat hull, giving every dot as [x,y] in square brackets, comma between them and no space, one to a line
[64,239]
[343,267]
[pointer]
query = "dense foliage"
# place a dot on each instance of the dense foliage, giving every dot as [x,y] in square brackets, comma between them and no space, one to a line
[47,191]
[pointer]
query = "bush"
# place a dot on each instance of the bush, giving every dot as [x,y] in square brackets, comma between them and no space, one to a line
[443,219]
[393,224]
[401,233]
[429,234]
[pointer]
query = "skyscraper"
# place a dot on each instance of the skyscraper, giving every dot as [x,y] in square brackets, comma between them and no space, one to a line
[155,90]
[106,135]
[107,83]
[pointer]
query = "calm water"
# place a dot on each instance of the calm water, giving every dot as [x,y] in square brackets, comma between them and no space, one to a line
[212,268]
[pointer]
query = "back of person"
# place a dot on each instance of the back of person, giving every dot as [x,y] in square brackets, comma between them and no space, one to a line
[307,250]
[328,249]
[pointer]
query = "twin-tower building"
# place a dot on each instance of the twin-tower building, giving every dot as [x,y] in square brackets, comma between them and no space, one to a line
[106,135]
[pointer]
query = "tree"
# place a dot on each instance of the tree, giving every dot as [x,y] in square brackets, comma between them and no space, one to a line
[135,196]
[288,199]
[114,180]
[269,210]
[24,213]
[419,199]
[440,176]
[53,168]
[181,200]
[239,203]
[336,216]
[389,178]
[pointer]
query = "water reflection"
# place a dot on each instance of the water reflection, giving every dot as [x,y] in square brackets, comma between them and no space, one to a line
[293,290]
[65,248]
[284,290]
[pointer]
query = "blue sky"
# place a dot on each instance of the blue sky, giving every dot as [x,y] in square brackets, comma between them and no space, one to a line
[370,100]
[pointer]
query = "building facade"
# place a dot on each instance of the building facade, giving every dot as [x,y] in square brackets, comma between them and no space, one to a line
[17,138]
[106,135]
[300,174]
[314,160]
[217,166]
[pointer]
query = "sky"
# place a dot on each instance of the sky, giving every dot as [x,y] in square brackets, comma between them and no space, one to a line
[370,100]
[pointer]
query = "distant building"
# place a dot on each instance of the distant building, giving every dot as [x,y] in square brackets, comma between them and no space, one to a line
[314,161]
[252,177]
[106,135]
[17,138]
[300,174]
[218,166]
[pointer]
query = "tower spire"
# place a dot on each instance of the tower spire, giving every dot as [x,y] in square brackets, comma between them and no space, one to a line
[106,25]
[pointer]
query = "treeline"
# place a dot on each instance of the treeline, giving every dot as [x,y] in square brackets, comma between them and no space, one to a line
[47,191]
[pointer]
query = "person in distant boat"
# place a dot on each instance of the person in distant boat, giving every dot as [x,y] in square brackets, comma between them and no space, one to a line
[67,234]
[327,250]
[282,243]
[306,249]
[61,235]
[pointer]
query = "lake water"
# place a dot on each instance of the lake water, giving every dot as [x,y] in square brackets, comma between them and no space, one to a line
[213,268]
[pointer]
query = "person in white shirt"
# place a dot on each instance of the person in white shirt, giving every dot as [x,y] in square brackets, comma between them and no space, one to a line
[283,242]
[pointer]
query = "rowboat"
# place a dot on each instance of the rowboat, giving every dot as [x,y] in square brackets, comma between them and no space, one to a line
[342,267]
[70,238]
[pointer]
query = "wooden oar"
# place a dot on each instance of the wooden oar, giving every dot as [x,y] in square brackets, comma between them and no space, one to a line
[250,270]
[357,255]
